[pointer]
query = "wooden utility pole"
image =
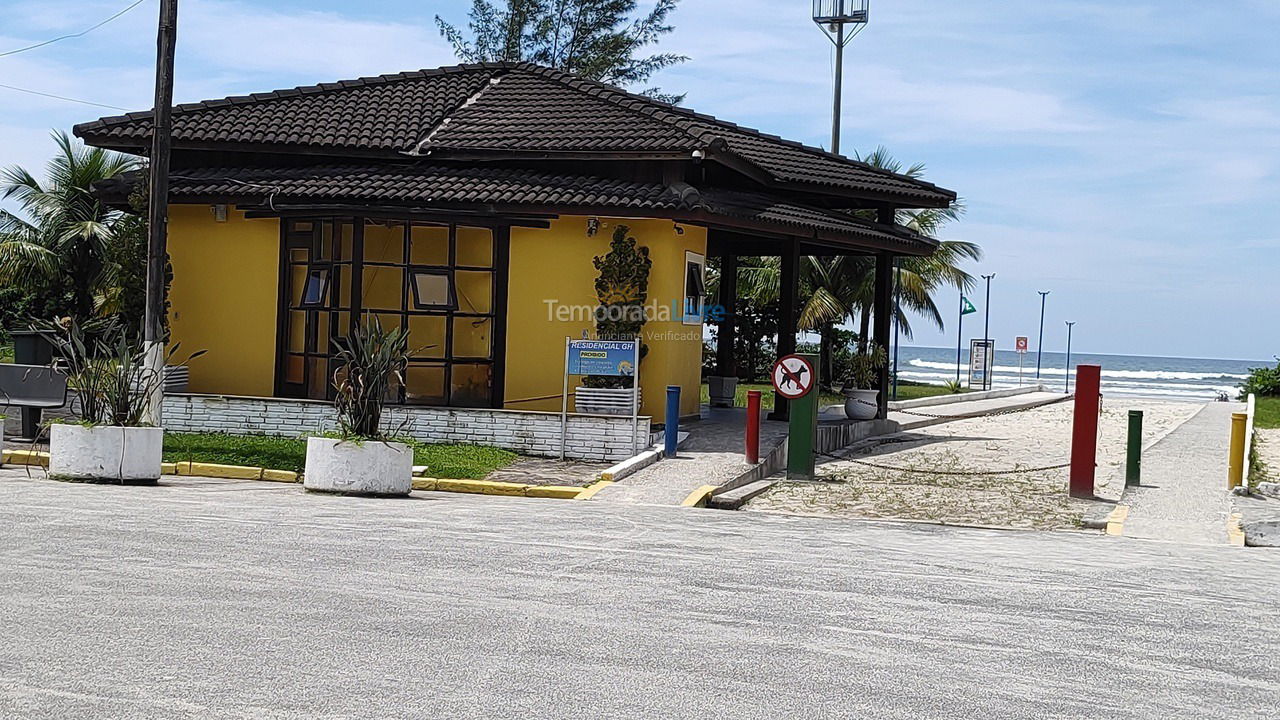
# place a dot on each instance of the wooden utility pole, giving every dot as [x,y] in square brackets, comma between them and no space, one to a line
[158,203]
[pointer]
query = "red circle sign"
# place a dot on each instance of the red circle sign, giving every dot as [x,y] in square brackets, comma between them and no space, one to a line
[793,377]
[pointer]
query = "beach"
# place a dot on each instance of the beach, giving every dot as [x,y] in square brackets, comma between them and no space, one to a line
[971,471]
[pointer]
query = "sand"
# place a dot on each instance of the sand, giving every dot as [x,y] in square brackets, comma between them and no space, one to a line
[989,447]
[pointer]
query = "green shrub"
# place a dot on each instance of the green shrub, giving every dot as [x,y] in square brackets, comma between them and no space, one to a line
[1263,382]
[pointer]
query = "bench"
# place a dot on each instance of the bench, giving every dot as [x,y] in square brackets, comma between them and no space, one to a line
[32,388]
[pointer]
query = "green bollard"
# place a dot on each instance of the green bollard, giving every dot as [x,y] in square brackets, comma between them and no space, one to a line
[1133,464]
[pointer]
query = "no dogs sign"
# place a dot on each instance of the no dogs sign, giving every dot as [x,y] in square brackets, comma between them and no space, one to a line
[793,377]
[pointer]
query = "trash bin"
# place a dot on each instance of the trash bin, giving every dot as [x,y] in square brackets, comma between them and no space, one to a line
[31,348]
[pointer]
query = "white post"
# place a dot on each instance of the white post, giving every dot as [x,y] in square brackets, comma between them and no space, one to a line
[635,401]
[153,372]
[564,401]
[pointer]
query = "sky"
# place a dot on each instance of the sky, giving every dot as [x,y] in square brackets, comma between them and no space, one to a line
[1124,156]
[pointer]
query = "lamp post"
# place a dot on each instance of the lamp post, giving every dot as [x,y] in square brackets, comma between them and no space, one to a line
[989,382]
[1040,344]
[833,16]
[1070,325]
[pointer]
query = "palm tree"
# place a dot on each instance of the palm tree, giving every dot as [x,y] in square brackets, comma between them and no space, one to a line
[834,289]
[66,241]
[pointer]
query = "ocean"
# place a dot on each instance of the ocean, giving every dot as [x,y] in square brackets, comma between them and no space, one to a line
[1191,379]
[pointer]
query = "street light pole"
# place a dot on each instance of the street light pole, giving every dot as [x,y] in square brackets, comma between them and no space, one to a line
[158,206]
[1070,325]
[835,111]
[989,382]
[1040,344]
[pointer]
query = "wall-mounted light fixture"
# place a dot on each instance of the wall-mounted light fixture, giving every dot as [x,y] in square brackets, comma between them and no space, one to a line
[220,213]
[593,226]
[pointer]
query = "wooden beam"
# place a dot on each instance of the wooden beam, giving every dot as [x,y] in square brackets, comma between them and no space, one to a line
[882,312]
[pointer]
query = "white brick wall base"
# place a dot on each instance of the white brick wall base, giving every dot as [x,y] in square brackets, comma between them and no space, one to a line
[590,437]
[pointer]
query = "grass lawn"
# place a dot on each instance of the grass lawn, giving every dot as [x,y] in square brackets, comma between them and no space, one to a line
[906,391]
[1267,413]
[6,353]
[469,462]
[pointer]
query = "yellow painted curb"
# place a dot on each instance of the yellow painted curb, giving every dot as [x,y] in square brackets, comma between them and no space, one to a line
[1235,532]
[284,476]
[421,483]
[25,457]
[1115,521]
[168,468]
[228,472]
[558,492]
[479,487]
[698,498]
[592,490]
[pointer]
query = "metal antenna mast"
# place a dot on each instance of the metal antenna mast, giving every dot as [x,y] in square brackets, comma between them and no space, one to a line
[841,21]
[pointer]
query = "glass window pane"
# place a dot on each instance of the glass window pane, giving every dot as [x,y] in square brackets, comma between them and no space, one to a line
[318,386]
[426,335]
[300,255]
[293,369]
[317,282]
[472,337]
[430,245]
[384,241]
[325,251]
[297,331]
[475,246]
[322,332]
[475,291]
[297,282]
[432,290]
[383,288]
[424,385]
[346,237]
[470,385]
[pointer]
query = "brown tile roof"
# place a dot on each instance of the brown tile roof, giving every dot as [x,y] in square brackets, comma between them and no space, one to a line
[502,110]
[440,186]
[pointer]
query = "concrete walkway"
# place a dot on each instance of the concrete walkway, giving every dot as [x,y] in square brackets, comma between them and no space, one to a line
[712,455]
[1183,497]
[918,417]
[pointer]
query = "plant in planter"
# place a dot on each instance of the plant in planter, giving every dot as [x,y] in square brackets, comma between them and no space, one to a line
[859,390]
[112,440]
[622,288]
[362,459]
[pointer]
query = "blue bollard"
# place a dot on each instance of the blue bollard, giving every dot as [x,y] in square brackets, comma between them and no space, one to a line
[672,421]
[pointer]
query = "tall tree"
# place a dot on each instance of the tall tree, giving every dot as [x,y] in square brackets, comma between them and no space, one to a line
[66,240]
[597,39]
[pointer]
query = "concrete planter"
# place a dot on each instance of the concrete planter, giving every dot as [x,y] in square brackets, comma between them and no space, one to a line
[369,467]
[127,455]
[722,390]
[860,404]
[602,401]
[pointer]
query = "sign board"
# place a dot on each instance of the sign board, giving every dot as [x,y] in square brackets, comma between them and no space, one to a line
[1022,345]
[981,362]
[793,377]
[611,358]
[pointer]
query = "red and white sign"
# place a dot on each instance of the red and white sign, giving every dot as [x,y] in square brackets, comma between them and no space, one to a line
[1022,344]
[793,377]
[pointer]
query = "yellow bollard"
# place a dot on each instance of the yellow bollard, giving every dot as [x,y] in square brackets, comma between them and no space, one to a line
[1235,464]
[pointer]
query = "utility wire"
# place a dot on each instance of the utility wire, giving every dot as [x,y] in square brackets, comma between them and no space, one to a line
[73,35]
[60,97]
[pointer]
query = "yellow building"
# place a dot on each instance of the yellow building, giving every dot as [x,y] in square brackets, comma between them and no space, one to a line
[469,204]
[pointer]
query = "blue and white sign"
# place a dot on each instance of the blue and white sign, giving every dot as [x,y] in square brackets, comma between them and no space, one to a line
[613,358]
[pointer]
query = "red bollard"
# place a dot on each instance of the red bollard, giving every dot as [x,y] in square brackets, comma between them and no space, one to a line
[1084,431]
[753,427]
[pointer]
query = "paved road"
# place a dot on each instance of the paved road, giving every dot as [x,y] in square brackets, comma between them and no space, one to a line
[213,599]
[1184,495]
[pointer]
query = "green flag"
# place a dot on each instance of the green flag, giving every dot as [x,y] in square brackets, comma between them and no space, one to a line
[966,307]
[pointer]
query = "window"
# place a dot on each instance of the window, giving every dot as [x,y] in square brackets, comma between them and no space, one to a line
[433,290]
[316,288]
[695,288]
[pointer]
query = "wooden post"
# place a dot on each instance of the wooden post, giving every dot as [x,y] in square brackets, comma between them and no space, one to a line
[788,311]
[1084,432]
[158,205]
[726,335]
[882,313]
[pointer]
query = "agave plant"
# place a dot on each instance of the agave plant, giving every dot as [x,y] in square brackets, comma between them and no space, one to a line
[106,370]
[370,363]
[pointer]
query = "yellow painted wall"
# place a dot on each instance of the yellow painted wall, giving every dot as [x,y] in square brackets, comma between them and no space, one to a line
[556,265]
[223,299]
